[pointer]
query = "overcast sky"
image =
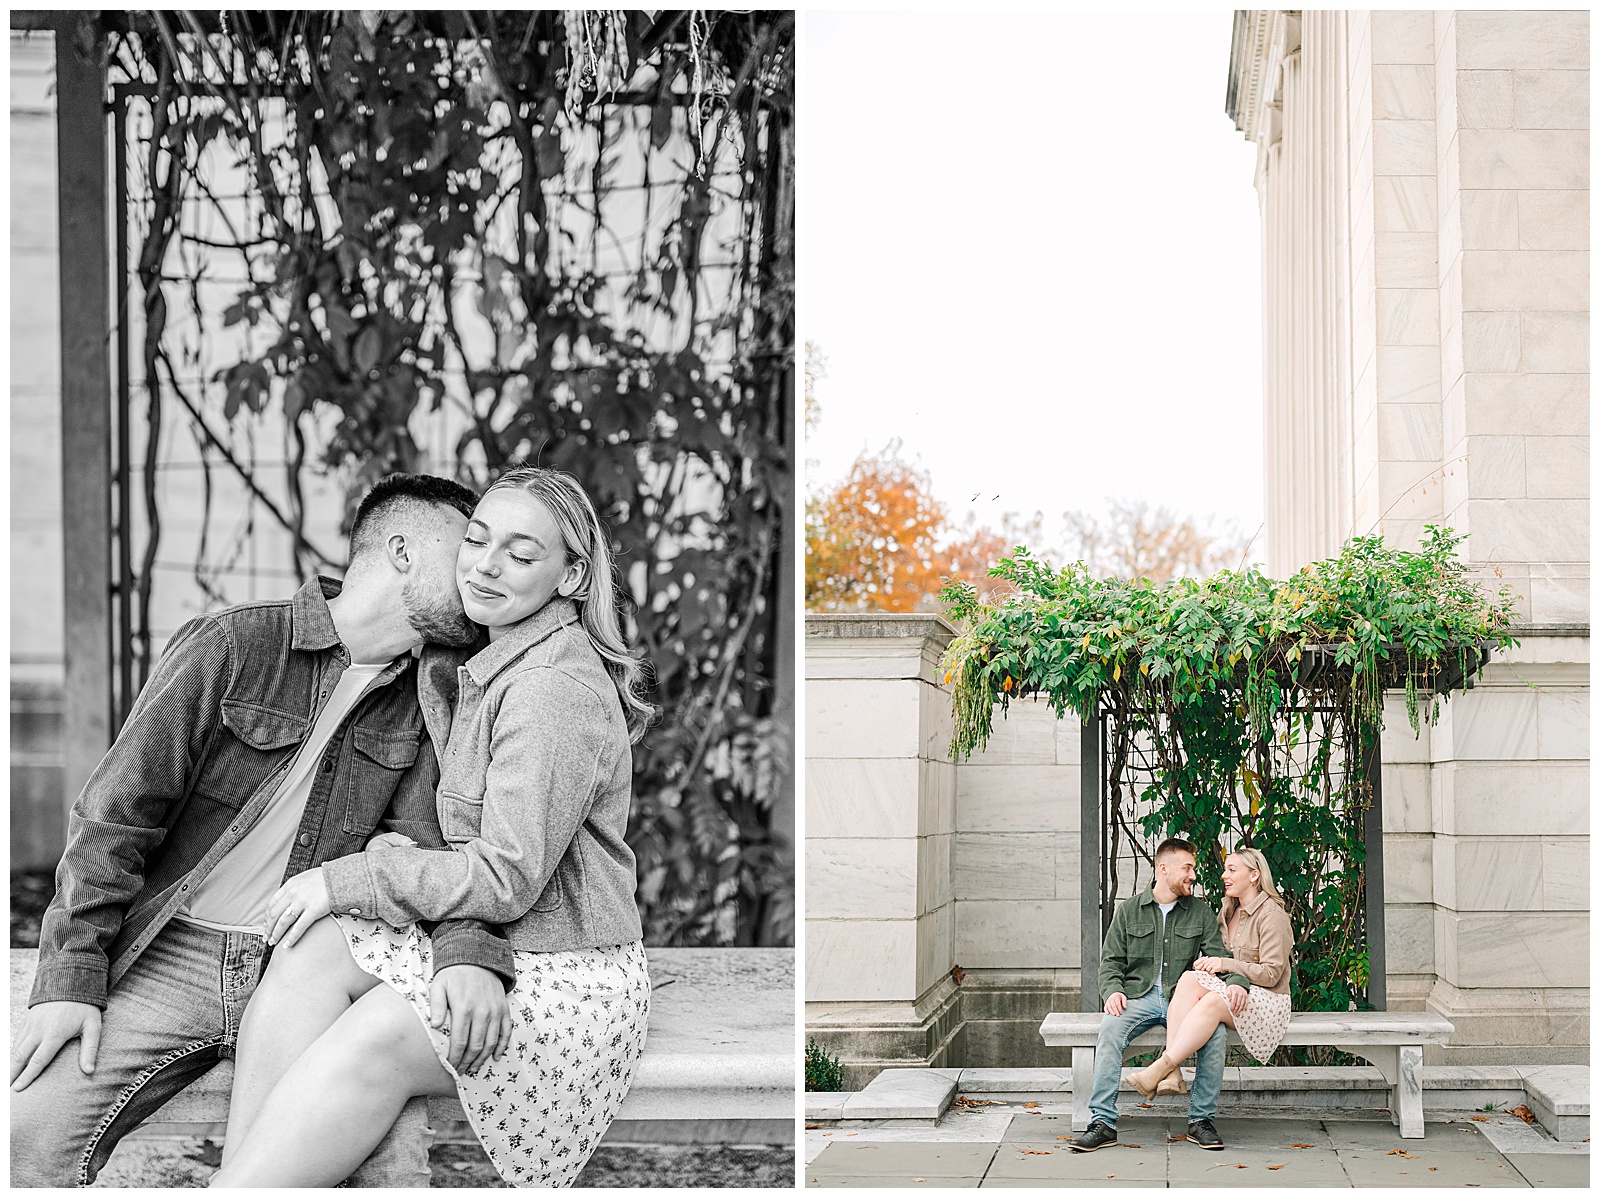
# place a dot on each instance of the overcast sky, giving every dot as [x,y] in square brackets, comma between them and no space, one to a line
[1030,249]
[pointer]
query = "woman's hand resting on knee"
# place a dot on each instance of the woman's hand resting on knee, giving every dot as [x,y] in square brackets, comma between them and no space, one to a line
[298,904]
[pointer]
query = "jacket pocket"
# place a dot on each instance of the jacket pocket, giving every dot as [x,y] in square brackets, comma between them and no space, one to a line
[550,900]
[387,750]
[380,760]
[254,740]
[460,818]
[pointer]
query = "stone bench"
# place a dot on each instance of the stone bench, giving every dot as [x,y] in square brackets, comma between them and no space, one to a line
[1391,1040]
[718,1065]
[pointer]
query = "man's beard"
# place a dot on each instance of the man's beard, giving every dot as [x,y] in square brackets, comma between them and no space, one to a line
[438,617]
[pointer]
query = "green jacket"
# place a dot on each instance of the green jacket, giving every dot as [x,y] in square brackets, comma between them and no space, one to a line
[1137,941]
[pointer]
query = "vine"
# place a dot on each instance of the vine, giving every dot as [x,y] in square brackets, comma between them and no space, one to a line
[436,238]
[1240,710]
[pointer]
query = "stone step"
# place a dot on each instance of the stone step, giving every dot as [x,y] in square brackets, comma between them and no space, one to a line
[1557,1094]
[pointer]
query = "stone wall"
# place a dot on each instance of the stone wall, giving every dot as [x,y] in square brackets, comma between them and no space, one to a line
[880,832]
[1485,851]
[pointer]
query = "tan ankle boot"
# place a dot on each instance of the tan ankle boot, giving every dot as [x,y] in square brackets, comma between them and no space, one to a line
[1173,1083]
[1147,1079]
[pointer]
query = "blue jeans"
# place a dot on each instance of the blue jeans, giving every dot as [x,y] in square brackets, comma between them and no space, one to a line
[1142,1013]
[172,1017]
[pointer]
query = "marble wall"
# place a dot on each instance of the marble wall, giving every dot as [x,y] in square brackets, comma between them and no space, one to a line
[1461,358]
[880,798]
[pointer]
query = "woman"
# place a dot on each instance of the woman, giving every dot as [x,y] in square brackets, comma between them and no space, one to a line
[1256,930]
[534,792]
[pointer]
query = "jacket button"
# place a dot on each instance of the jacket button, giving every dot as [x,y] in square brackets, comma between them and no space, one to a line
[305,838]
[355,910]
[327,766]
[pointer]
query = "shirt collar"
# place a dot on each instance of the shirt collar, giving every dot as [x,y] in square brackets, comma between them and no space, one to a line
[552,617]
[1254,903]
[310,621]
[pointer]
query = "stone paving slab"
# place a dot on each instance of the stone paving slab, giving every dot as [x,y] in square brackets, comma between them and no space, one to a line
[1368,1167]
[1146,1164]
[1055,1183]
[1547,1169]
[1385,1135]
[1511,1135]
[907,1160]
[1282,1169]
[884,1183]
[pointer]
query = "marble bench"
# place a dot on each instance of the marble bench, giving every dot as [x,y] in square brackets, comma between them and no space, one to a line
[718,1065]
[1391,1040]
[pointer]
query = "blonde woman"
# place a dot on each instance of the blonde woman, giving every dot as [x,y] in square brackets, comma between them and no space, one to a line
[533,801]
[1256,931]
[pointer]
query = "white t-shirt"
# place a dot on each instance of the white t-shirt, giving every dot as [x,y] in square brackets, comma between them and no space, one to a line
[233,897]
[1165,909]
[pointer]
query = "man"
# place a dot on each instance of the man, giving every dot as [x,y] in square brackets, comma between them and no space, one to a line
[270,737]
[1153,940]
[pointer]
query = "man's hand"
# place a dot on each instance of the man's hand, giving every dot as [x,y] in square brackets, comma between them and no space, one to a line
[1116,1003]
[47,1027]
[1238,999]
[298,904]
[469,1002]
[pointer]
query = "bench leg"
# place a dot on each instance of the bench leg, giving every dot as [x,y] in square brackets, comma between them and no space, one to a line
[1082,1086]
[1408,1092]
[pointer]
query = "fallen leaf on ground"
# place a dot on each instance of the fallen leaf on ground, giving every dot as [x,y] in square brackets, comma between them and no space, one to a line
[1401,1152]
[1030,1106]
[1068,1139]
[1241,1166]
[919,1179]
[1274,1168]
[1036,1152]
[1302,1145]
[1147,1104]
[1132,1145]
[1480,1118]
[1433,1168]
[1175,1139]
[813,1127]
[1521,1112]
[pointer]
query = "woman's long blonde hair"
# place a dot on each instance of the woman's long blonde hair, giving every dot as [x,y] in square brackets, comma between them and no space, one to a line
[596,596]
[1253,859]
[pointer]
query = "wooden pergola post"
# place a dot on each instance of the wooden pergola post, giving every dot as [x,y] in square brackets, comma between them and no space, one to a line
[81,83]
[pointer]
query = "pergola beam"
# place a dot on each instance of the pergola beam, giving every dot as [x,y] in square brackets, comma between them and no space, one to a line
[86,726]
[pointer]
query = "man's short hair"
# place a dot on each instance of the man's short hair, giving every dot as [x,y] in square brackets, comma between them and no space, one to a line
[1174,844]
[396,500]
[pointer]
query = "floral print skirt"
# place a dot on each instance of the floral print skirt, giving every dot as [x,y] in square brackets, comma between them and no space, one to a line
[1265,1018]
[578,1028]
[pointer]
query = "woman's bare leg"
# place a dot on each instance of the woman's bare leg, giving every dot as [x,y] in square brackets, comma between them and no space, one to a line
[339,1098]
[1184,996]
[304,991]
[1198,1025]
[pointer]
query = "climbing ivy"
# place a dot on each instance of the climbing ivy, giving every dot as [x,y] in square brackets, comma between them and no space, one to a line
[1240,709]
[439,202]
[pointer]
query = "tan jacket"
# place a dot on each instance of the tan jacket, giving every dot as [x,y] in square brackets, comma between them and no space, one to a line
[1262,944]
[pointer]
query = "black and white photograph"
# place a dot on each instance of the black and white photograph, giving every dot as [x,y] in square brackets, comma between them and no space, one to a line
[402,602]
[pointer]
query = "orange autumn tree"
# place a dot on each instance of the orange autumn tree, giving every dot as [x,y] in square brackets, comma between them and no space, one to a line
[880,541]
[872,542]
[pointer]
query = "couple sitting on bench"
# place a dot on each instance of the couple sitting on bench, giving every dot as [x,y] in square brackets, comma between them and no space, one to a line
[1197,973]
